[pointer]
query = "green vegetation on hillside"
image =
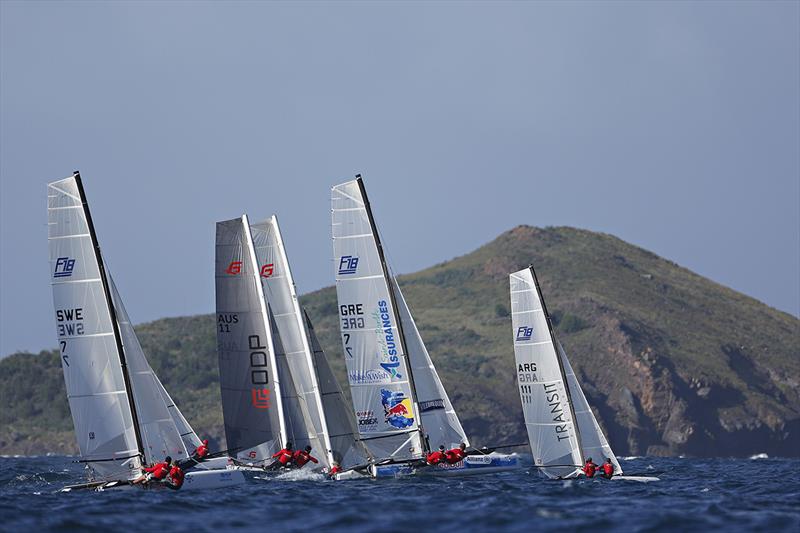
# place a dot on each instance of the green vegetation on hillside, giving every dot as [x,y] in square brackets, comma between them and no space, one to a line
[671,362]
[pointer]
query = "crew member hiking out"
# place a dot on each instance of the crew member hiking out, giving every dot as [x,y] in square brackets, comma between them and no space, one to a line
[456,454]
[175,480]
[434,458]
[283,458]
[607,470]
[158,472]
[589,468]
[301,457]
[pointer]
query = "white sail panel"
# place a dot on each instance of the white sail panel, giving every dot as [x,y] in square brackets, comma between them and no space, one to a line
[90,358]
[593,441]
[347,450]
[545,402]
[279,291]
[376,367]
[439,419]
[160,435]
[190,439]
[249,383]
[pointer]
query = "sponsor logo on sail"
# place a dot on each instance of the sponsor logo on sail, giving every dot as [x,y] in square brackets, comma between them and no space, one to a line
[260,398]
[64,267]
[559,416]
[234,268]
[367,421]
[431,405]
[267,270]
[524,333]
[397,409]
[386,342]
[358,377]
[348,264]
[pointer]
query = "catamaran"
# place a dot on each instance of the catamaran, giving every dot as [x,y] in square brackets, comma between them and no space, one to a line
[562,429]
[123,416]
[277,385]
[401,406]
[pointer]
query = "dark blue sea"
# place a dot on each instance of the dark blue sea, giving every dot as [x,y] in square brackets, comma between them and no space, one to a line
[693,495]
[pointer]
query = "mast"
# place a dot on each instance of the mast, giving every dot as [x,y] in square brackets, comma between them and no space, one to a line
[560,364]
[251,252]
[306,346]
[112,311]
[389,284]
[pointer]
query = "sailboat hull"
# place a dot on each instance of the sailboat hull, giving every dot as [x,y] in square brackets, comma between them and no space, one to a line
[471,465]
[195,480]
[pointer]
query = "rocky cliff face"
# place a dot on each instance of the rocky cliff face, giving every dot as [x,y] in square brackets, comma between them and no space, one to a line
[672,363]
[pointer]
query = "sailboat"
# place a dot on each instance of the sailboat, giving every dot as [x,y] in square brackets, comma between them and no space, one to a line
[401,406]
[123,416]
[562,429]
[277,385]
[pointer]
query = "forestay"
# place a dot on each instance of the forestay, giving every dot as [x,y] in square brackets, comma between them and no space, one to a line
[439,419]
[385,409]
[593,441]
[249,381]
[279,290]
[91,361]
[545,398]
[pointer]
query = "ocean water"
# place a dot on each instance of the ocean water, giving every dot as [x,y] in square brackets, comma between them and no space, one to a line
[693,495]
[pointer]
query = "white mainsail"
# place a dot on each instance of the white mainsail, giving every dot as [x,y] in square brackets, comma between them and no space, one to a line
[279,291]
[394,385]
[562,429]
[118,406]
[252,404]
[439,419]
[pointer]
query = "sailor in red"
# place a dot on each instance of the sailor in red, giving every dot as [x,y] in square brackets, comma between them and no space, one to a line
[283,458]
[335,469]
[201,452]
[158,471]
[456,454]
[589,468]
[301,457]
[436,457]
[607,470]
[175,480]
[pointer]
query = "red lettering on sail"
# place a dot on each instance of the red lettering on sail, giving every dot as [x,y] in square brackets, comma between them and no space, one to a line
[234,268]
[260,398]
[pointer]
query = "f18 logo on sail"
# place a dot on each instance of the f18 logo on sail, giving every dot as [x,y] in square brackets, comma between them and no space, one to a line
[64,267]
[348,264]
[524,333]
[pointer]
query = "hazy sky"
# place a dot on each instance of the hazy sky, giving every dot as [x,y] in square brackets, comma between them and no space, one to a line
[673,125]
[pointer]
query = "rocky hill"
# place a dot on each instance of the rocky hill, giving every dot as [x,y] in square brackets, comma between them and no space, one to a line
[672,362]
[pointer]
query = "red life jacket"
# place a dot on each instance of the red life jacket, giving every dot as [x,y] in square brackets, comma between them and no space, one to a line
[455,455]
[201,451]
[301,457]
[589,469]
[334,470]
[176,474]
[159,470]
[608,469]
[284,456]
[435,458]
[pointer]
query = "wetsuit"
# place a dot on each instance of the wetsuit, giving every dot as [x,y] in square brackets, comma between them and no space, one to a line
[455,455]
[176,476]
[589,469]
[607,470]
[301,457]
[435,458]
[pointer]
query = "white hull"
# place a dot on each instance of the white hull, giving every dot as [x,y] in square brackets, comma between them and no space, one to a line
[640,479]
[194,480]
[471,465]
